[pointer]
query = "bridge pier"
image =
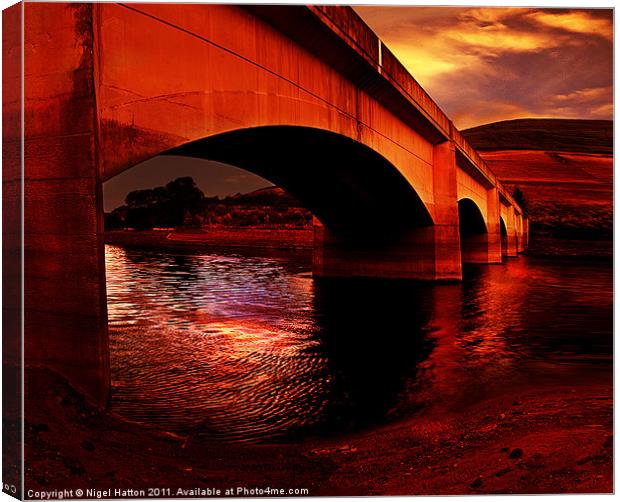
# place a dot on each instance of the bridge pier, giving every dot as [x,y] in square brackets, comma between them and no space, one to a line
[494,234]
[411,256]
[521,233]
[446,235]
[431,252]
[513,238]
[424,253]
[65,295]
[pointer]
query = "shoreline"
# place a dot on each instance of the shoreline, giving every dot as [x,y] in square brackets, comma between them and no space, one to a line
[233,237]
[550,440]
[541,246]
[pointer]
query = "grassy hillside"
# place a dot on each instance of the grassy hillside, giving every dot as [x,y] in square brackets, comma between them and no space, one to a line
[265,207]
[564,135]
[565,170]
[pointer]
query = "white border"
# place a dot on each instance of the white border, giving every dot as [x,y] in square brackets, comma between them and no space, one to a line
[464,3]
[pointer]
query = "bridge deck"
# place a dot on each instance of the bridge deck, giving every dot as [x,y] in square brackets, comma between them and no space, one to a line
[366,47]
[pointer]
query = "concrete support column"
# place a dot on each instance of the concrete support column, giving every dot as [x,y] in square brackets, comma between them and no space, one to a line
[65,303]
[512,232]
[429,253]
[411,256]
[446,213]
[521,241]
[494,241]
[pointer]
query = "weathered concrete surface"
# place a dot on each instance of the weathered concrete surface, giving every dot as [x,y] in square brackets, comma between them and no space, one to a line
[508,216]
[11,184]
[339,78]
[12,423]
[306,96]
[65,300]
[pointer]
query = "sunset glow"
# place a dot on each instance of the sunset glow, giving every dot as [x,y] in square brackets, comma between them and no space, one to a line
[488,64]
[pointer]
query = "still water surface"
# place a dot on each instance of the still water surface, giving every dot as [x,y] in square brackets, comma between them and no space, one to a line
[253,348]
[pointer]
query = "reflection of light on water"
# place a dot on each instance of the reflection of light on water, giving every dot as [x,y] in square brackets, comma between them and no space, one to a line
[248,349]
[209,345]
[510,326]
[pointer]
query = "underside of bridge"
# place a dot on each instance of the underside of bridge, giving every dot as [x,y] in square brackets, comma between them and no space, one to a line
[473,233]
[371,222]
[504,235]
[350,188]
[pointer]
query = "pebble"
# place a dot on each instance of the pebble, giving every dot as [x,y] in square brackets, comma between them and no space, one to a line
[516,453]
[477,483]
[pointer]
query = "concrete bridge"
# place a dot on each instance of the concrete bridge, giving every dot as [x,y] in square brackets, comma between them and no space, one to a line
[307,97]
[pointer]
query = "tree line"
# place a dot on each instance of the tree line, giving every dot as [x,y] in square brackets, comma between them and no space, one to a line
[181,203]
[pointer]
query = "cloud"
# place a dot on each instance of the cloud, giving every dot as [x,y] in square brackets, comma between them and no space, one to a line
[588,94]
[576,22]
[491,15]
[487,64]
[488,29]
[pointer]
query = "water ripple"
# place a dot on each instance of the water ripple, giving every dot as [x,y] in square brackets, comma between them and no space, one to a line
[242,348]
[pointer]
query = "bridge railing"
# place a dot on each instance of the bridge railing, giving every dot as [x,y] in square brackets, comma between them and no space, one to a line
[369,46]
[353,27]
[395,69]
[474,157]
[472,154]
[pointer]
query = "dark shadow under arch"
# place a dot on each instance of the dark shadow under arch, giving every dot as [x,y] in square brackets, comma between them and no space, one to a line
[473,233]
[349,187]
[504,237]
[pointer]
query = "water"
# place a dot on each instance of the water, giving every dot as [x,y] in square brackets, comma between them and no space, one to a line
[240,348]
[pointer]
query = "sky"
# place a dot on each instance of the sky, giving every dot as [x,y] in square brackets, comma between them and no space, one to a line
[483,65]
[213,178]
[480,65]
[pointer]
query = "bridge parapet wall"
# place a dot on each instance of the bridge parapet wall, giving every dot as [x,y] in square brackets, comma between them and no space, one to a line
[473,157]
[344,22]
[350,28]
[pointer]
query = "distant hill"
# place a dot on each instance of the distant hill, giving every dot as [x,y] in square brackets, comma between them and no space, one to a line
[564,135]
[268,196]
[565,170]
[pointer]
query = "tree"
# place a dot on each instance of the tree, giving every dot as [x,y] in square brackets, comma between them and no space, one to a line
[184,200]
[518,196]
[165,206]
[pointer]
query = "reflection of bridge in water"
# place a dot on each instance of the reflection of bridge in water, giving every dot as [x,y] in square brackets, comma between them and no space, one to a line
[307,97]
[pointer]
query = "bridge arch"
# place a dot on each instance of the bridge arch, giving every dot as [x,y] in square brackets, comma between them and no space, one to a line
[363,204]
[474,236]
[504,237]
[349,187]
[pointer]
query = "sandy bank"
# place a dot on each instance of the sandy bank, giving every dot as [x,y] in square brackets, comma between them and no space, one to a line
[538,441]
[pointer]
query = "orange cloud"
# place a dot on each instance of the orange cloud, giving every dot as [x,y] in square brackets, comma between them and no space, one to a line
[492,14]
[499,38]
[587,94]
[488,64]
[487,28]
[576,22]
